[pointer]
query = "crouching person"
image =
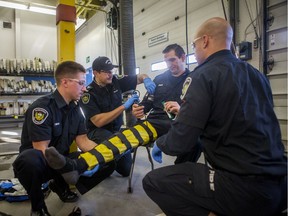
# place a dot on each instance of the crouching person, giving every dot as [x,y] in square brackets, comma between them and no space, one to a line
[56,120]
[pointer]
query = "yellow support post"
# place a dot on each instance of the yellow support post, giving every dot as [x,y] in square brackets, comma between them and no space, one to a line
[65,21]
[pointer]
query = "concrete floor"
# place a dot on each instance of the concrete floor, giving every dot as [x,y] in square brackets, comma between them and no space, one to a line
[109,198]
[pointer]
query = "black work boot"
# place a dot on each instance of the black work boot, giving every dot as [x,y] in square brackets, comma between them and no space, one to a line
[64,193]
[42,212]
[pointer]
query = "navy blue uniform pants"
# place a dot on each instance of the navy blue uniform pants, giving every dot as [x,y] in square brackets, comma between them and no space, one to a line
[194,189]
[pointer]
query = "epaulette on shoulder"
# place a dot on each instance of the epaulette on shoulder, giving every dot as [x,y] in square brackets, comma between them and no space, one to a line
[89,88]
[119,76]
[45,100]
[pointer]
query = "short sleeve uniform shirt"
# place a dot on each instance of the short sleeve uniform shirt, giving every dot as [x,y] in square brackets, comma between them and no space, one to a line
[50,118]
[105,99]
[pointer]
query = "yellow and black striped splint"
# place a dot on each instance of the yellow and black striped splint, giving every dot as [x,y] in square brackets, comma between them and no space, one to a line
[140,134]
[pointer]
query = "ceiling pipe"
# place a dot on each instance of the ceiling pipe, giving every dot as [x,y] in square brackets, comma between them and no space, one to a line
[127,49]
[127,37]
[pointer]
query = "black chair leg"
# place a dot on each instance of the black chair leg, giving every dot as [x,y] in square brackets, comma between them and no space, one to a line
[129,189]
[149,157]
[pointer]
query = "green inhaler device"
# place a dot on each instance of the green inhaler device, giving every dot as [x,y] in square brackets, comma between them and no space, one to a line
[170,115]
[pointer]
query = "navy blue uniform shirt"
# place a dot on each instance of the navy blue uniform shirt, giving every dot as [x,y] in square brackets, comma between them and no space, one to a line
[105,99]
[231,102]
[50,118]
[168,88]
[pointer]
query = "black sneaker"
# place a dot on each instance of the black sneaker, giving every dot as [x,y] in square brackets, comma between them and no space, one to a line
[65,194]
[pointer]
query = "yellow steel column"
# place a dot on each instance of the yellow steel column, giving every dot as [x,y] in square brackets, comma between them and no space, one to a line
[65,21]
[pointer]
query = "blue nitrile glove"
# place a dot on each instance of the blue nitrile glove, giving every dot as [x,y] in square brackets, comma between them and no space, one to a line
[156,153]
[121,155]
[149,85]
[89,173]
[134,98]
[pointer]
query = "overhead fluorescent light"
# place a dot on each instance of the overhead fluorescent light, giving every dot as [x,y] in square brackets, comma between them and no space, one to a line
[13,5]
[42,10]
[29,7]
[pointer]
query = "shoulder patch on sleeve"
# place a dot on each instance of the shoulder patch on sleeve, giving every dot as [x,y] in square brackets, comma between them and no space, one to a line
[85,98]
[186,85]
[39,115]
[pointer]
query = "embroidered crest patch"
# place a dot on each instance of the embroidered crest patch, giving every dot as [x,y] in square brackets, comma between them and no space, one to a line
[186,85]
[85,98]
[39,115]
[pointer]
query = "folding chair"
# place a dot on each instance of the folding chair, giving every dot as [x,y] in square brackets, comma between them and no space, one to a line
[148,146]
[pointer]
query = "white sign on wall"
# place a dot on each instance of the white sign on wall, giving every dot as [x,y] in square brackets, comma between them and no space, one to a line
[158,39]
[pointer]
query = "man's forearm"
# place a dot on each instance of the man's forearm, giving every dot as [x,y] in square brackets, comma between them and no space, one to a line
[84,143]
[103,119]
[179,140]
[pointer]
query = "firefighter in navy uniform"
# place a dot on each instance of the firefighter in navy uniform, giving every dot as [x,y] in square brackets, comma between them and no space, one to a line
[228,103]
[54,120]
[164,104]
[102,104]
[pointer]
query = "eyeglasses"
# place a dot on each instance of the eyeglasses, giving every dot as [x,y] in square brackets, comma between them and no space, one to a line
[193,43]
[107,72]
[80,82]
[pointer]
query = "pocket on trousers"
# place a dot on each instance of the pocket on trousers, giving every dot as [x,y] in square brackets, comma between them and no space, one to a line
[202,180]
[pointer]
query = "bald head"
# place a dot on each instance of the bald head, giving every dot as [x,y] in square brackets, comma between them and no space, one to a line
[219,29]
[213,35]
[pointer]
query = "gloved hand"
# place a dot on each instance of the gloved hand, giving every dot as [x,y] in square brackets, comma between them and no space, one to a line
[156,153]
[119,156]
[149,85]
[89,173]
[127,152]
[134,98]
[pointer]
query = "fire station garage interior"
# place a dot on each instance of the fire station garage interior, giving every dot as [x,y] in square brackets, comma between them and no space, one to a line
[37,35]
